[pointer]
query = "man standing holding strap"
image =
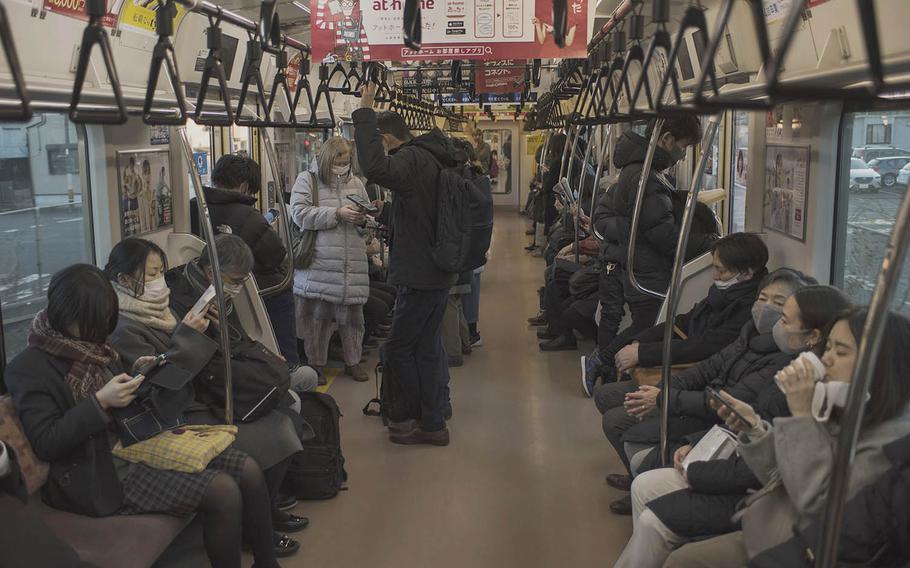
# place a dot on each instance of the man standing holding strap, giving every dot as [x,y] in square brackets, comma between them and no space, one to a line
[414,356]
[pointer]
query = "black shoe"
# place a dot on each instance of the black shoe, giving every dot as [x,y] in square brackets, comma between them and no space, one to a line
[530,247]
[286,522]
[285,502]
[285,546]
[456,361]
[545,333]
[622,506]
[561,343]
[538,320]
[620,481]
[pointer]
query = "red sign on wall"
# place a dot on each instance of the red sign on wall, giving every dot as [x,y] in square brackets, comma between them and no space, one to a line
[500,77]
[76,9]
[362,30]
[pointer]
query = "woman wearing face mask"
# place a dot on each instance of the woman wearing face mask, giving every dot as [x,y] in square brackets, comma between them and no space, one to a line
[333,289]
[148,325]
[793,457]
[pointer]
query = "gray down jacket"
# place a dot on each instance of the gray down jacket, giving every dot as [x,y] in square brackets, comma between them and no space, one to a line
[339,273]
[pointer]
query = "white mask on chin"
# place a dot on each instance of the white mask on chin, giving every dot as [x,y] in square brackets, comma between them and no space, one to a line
[827,396]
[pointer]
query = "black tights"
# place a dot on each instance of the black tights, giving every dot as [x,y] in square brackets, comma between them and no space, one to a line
[224,504]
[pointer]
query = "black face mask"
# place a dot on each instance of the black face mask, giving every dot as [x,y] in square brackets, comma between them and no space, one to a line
[676,154]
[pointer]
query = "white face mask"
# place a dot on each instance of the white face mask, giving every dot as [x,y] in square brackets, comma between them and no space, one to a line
[155,290]
[724,284]
[827,396]
[341,170]
[232,290]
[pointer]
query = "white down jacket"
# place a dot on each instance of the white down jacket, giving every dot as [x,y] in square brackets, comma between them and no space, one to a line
[339,273]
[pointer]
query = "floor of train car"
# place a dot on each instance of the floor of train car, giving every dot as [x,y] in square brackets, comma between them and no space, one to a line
[522,483]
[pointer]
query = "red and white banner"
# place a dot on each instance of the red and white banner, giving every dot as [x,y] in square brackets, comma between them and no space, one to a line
[363,30]
[500,77]
[76,9]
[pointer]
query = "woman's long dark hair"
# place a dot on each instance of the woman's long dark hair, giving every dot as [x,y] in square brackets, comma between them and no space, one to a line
[890,389]
[81,295]
[128,257]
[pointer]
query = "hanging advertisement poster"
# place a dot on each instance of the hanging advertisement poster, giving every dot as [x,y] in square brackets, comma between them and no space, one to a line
[141,15]
[144,181]
[500,77]
[76,9]
[786,189]
[363,30]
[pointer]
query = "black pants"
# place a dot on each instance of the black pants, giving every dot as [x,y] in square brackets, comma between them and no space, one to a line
[612,304]
[280,308]
[415,356]
[644,314]
[374,313]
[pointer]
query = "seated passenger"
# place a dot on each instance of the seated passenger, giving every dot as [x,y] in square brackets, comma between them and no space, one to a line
[331,292]
[232,205]
[745,365]
[793,458]
[875,526]
[64,386]
[148,326]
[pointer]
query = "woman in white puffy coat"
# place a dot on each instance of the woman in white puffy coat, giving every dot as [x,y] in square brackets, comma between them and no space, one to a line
[332,291]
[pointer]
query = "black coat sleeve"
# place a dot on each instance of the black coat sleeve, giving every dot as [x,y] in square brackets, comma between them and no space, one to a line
[395,172]
[695,348]
[722,477]
[657,223]
[687,393]
[267,246]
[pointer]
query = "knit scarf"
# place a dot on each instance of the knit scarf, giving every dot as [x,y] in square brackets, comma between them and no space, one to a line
[89,361]
[156,315]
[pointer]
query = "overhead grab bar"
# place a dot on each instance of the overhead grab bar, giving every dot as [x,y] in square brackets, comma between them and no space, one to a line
[22,111]
[95,34]
[252,73]
[412,25]
[675,290]
[657,125]
[163,54]
[213,65]
[284,218]
[863,372]
[205,220]
[718,101]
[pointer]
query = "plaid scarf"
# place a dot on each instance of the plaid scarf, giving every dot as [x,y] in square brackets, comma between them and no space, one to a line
[89,361]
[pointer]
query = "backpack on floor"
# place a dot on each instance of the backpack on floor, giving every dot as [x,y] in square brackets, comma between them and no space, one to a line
[318,472]
[388,399]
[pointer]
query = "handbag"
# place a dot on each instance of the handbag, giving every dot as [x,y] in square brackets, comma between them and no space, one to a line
[188,449]
[304,241]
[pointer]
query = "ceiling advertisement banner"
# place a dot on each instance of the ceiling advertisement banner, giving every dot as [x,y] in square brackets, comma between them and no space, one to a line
[503,76]
[76,9]
[364,30]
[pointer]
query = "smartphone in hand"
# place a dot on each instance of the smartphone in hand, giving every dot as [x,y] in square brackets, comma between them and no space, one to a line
[363,204]
[720,400]
[271,215]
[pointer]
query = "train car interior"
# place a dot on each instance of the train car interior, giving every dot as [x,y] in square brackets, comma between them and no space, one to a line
[685,221]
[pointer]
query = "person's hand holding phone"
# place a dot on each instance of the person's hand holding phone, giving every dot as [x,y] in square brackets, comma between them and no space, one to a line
[349,214]
[119,391]
[678,457]
[142,362]
[642,402]
[198,322]
[378,204]
[213,315]
[737,415]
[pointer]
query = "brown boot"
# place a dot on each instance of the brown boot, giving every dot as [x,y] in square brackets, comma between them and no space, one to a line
[419,436]
[357,373]
[402,427]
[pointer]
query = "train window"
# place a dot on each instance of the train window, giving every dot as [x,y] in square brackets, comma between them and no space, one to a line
[870,193]
[45,218]
[739,169]
[202,143]
[241,140]
[308,144]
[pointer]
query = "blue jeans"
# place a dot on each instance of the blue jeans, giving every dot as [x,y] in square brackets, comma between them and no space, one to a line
[415,358]
[281,311]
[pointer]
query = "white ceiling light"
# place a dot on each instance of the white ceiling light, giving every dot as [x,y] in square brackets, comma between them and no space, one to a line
[302,6]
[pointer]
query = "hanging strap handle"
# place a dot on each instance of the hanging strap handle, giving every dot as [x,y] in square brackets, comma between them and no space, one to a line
[323,92]
[281,82]
[252,74]
[412,25]
[21,111]
[163,54]
[95,34]
[213,66]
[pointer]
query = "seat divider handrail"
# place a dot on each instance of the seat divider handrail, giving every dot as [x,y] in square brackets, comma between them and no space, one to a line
[284,229]
[863,372]
[656,126]
[675,289]
[217,281]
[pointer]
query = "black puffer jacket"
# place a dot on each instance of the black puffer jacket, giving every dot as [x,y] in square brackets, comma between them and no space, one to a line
[236,210]
[711,325]
[661,214]
[604,221]
[875,528]
[411,173]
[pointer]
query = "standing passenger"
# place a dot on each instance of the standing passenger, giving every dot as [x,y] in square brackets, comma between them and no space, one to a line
[336,285]
[414,354]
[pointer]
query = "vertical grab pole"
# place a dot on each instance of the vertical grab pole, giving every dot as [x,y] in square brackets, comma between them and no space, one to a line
[873,329]
[673,292]
[220,299]
[636,213]
[604,147]
[283,228]
[581,185]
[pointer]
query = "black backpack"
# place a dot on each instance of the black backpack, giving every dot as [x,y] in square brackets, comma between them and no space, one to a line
[318,472]
[464,225]
[388,397]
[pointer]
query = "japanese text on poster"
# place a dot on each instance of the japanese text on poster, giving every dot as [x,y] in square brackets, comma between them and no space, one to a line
[76,9]
[500,77]
[787,185]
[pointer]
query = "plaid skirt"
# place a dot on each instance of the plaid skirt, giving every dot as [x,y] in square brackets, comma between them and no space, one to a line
[148,490]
